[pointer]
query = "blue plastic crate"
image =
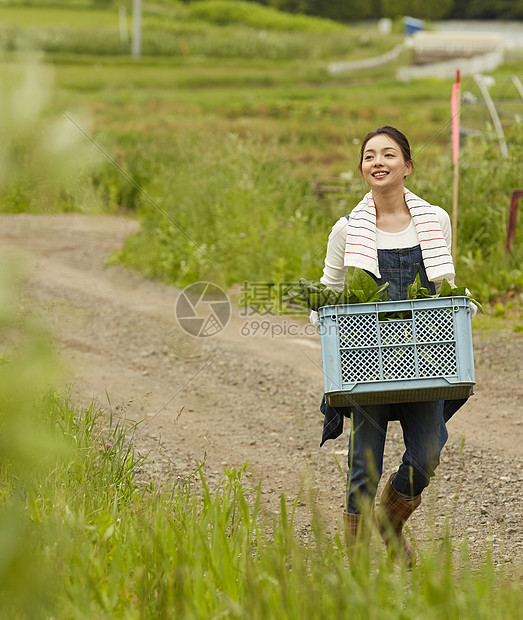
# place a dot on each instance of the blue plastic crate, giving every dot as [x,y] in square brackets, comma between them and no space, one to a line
[371,359]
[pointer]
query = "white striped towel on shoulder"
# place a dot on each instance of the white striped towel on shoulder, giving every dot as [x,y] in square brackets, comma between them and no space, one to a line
[361,250]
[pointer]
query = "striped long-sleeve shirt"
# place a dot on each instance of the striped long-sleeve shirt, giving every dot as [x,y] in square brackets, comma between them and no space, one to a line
[354,241]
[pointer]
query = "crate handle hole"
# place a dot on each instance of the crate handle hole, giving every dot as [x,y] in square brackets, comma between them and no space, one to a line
[404,315]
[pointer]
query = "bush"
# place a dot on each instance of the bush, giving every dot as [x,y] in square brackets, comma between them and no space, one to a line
[225,12]
[241,216]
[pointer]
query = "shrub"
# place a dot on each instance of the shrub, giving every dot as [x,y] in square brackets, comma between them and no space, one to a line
[225,12]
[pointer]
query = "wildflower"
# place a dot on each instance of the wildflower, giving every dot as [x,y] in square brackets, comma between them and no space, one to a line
[108,446]
[262,235]
[242,235]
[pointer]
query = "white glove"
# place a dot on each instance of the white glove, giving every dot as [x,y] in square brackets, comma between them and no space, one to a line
[314,318]
[473,307]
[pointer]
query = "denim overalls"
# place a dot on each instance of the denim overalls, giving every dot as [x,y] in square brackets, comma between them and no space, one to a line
[423,423]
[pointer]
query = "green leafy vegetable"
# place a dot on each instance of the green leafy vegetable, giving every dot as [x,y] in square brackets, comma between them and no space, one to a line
[363,289]
[445,290]
[416,291]
[314,295]
[457,291]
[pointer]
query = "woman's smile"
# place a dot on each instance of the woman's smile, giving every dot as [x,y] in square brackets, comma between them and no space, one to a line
[383,161]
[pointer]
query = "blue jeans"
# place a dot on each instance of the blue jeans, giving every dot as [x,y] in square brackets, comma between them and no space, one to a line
[399,268]
[424,434]
[423,424]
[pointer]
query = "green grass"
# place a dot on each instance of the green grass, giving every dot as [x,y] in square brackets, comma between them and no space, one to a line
[226,148]
[504,315]
[218,29]
[166,15]
[53,17]
[229,136]
[224,12]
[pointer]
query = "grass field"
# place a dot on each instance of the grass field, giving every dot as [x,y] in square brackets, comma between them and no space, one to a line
[56,17]
[226,126]
[217,131]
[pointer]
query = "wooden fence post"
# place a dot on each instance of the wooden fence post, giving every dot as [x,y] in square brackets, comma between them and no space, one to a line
[512,217]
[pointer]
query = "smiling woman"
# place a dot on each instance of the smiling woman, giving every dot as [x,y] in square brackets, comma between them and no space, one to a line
[397,238]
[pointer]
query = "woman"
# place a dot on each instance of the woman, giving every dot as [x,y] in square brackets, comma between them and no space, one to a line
[394,235]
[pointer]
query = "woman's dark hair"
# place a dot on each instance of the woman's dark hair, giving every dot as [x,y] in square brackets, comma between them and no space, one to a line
[395,134]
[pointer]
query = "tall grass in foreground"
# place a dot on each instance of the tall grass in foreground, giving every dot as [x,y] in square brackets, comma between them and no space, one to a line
[106,548]
[80,538]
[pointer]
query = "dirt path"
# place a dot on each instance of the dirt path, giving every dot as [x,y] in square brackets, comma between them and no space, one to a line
[233,399]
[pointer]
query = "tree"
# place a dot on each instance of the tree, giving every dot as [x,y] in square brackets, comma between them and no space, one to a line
[495,9]
[354,10]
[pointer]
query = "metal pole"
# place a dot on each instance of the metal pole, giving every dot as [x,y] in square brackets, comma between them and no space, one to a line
[137,28]
[493,113]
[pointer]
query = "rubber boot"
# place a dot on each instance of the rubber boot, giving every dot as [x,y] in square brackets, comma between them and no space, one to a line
[393,512]
[353,529]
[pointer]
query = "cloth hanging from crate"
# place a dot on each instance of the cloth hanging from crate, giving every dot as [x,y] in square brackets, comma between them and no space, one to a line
[333,416]
[361,248]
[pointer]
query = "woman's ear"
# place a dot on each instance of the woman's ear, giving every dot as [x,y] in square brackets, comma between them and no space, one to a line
[359,168]
[409,167]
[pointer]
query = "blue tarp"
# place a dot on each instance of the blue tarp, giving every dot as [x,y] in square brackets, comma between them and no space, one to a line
[412,25]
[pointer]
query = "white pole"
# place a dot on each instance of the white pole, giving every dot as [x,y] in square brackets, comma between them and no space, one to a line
[483,89]
[137,28]
[124,33]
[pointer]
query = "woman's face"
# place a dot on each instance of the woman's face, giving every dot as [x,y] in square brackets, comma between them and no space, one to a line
[383,164]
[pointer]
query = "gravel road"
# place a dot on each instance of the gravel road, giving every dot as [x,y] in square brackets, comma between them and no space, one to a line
[233,399]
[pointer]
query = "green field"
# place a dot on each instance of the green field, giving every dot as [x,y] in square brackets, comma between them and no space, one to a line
[211,139]
[225,126]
